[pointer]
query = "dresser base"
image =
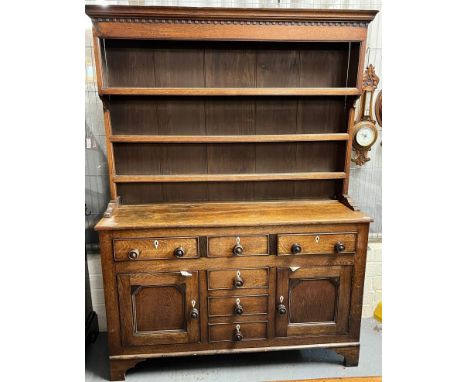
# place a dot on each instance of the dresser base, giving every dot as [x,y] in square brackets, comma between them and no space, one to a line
[120,364]
[118,368]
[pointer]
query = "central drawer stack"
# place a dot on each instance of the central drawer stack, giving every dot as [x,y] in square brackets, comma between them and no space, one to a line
[238,297]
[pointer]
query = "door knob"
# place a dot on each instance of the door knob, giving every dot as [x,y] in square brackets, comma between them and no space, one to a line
[133,254]
[281,307]
[179,252]
[238,334]
[194,312]
[238,309]
[339,247]
[238,248]
[238,282]
[296,248]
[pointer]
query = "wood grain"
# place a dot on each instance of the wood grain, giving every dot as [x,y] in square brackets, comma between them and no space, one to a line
[148,91]
[228,138]
[230,215]
[227,177]
[225,306]
[316,244]
[148,251]
[222,246]
[254,278]
[225,332]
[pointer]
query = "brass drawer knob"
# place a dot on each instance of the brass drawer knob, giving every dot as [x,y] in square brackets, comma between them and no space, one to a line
[281,307]
[296,248]
[238,282]
[133,254]
[194,312]
[238,248]
[179,252]
[238,336]
[339,247]
[238,309]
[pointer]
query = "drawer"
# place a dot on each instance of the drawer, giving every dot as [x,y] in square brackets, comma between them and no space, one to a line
[238,278]
[237,305]
[319,243]
[227,246]
[155,248]
[237,332]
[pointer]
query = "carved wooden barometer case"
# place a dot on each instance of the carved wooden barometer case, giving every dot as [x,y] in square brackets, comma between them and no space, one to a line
[229,145]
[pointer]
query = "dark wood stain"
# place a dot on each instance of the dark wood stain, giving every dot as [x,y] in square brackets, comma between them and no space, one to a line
[312,301]
[159,308]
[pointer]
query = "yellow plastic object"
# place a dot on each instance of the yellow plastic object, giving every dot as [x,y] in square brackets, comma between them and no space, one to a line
[378,311]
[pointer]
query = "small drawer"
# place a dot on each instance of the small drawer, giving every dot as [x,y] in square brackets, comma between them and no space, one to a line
[238,278]
[155,248]
[228,246]
[319,243]
[237,305]
[238,332]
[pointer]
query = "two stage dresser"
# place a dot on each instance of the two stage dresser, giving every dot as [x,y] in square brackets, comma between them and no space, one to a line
[229,135]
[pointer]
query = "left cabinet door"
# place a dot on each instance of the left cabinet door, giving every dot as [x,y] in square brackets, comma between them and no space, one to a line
[159,308]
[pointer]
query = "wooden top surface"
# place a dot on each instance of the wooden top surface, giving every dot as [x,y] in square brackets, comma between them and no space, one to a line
[119,11]
[230,215]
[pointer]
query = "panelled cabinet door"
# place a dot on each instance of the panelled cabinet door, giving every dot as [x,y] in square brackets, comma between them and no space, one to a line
[313,301]
[157,308]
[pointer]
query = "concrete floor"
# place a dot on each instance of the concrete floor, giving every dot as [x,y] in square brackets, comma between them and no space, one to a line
[294,364]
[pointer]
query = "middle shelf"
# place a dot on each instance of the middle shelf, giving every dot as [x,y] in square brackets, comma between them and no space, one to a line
[228,138]
[227,177]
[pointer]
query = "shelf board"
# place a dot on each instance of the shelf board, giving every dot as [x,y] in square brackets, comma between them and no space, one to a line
[227,177]
[230,91]
[228,138]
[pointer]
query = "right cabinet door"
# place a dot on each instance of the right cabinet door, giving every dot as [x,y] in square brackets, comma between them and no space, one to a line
[313,301]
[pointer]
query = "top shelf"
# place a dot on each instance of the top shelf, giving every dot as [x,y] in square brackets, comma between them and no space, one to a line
[125,91]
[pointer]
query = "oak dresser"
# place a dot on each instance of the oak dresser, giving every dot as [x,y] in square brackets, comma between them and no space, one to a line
[229,134]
